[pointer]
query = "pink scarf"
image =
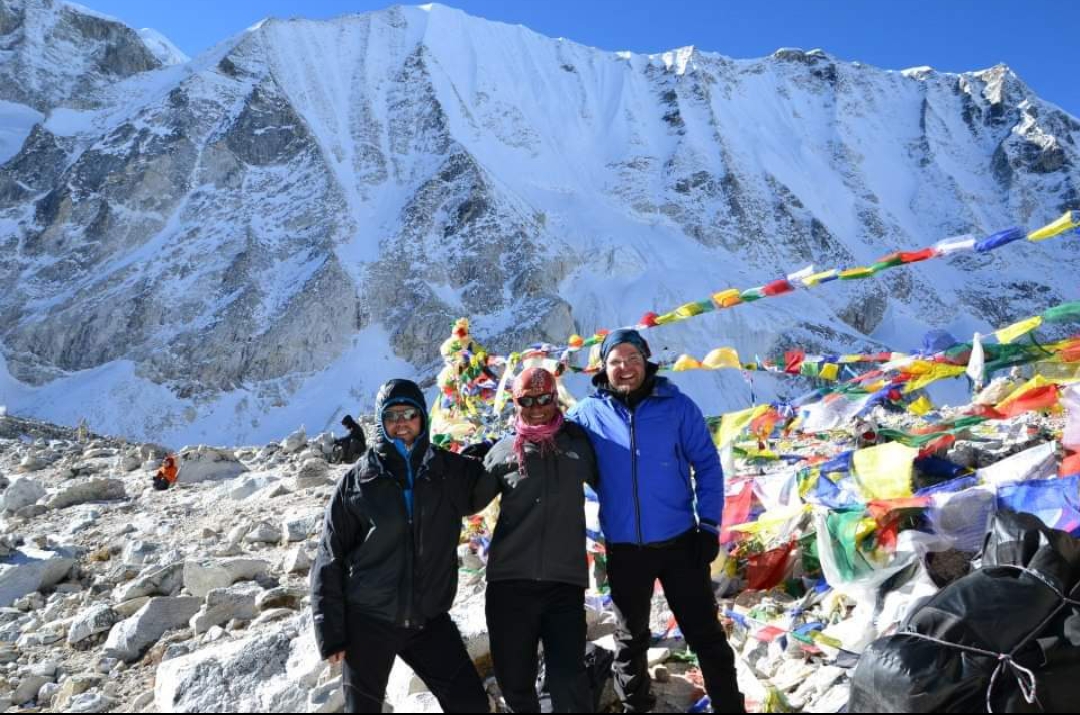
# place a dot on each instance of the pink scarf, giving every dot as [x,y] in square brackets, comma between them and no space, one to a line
[541,435]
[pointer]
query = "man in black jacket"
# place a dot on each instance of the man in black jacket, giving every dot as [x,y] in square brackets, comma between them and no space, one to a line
[386,571]
[537,570]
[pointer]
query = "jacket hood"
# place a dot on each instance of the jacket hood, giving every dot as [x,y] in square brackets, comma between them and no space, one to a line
[400,392]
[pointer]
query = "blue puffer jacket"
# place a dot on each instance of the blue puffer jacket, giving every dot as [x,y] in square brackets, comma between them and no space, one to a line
[644,458]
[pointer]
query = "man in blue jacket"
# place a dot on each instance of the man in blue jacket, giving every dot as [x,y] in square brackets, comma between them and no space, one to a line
[659,521]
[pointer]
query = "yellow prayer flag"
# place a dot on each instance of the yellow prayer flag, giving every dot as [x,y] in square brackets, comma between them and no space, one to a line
[936,371]
[689,310]
[667,318]
[1070,220]
[733,424]
[727,298]
[847,359]
[1033,383]
[829,371]
[853,273]
[875,386]
[1018,330]
[885,471]
[722,357]
[772,520]
[921,406]
[811,281]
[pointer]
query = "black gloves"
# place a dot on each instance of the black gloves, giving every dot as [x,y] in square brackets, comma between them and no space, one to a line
[477,451]
[708,545]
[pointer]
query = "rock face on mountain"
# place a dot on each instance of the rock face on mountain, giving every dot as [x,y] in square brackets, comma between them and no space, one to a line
[303,210]
[56,54]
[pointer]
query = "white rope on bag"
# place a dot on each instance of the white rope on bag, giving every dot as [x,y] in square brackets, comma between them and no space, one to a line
[1025,677]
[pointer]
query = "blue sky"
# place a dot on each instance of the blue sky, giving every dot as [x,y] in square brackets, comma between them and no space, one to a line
[1034,37]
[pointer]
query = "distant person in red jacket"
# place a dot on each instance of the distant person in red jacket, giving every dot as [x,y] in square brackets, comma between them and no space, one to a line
[167,473]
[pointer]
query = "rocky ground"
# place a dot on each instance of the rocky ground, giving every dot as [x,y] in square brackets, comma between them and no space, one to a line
[117,597]
[114,596]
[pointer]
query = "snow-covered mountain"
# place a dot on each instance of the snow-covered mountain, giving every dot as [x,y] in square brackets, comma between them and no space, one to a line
[220,249]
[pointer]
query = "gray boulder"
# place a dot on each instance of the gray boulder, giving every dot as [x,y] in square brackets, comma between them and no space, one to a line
[201,577]
[225,604]
[96,619]
[88,491]
[130,638]
[269,672]
[23,491]
[29,570]
[162,582]
[299,526]
[200,464]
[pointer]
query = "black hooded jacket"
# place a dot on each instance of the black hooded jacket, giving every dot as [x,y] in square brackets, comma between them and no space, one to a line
[373,559]
[540,535]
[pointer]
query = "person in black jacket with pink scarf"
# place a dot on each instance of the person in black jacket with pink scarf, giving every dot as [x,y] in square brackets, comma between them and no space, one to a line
[537,570]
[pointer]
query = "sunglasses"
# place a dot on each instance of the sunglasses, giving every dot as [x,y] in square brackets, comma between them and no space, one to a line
[407,415]
[539,400]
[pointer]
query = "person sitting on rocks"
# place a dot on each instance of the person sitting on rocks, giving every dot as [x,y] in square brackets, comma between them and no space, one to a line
[349,448]
[167,473]
[537,570]
[387,567]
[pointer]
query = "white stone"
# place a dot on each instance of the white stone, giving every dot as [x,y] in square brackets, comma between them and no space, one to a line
[129,638]
[225,604]
[246,487]
[200,464]
[656,656]
[268,672]
[297,561]
[89,703]
[327,698]
[263,533]
[92,490]
[424,702]
[29,570]
[32,463]
[96,619]
[299,526]
[23,491]
[295,442]
[313,473]
[28,688]
[280,597]
[274,614]
[201,577]
[129,463]
[162,582]
[125,609]
[135,553]
[47,692]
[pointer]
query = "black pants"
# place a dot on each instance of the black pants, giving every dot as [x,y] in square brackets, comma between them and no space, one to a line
[435,652]
[521,614]
[632,575]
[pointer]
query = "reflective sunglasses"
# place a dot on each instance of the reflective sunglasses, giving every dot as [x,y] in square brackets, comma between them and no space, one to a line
[407,415]
[539,400]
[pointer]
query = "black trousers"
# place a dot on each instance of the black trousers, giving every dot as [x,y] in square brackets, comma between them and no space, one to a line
[435,652]
[632,575]
[521,614]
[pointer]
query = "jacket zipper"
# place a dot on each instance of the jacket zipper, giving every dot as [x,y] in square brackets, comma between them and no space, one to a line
[410,552]
[634,476]
[543,525]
